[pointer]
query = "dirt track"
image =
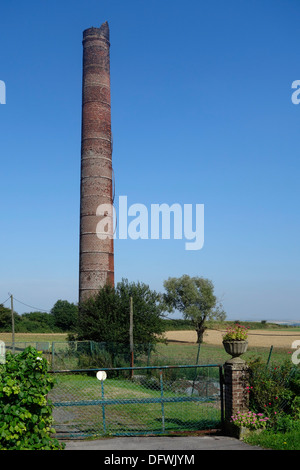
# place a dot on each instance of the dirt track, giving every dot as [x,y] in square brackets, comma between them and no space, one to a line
[257,338]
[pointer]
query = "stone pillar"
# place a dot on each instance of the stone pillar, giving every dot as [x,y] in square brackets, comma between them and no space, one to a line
[96,254]
[235,391]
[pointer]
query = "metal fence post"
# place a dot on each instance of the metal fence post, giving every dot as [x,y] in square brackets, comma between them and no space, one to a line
[52,355]
[221,381]
[270,353]
[149,352]
[103,406]
[197,360]
[162,402]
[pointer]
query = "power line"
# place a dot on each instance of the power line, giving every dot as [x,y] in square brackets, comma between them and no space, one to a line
[30,306]
[2,303]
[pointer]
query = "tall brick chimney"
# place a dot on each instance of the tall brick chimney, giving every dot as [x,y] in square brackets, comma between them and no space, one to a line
[96,255]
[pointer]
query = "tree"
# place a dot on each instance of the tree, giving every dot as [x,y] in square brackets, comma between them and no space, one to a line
[6,320]
[194,297]
[64,315]
[147,311]
[41,322]
[105,317]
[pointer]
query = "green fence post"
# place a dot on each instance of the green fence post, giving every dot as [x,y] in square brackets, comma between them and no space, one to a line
[270,353]
[198,353]
[103,406]
[52,354]
[149,352]
[162,402]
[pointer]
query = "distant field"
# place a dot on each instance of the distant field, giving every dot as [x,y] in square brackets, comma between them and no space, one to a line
[256,338]
[33,337]
[279,338]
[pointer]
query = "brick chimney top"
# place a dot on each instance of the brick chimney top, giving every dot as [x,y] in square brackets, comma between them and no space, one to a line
[102,31]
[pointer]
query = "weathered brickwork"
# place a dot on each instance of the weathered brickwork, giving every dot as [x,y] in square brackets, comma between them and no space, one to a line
[96,255]
[236,376]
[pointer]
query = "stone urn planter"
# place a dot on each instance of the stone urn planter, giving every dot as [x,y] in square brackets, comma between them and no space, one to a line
[235,347]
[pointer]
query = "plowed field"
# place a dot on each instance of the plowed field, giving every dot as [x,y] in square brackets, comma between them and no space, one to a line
[256,338]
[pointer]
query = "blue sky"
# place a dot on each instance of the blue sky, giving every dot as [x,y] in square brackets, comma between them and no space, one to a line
[201,114]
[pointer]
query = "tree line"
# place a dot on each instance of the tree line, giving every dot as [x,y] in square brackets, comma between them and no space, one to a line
[62,318]
[105,317]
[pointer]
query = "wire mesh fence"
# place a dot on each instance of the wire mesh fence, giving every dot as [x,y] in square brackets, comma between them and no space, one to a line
[135,401]
[162,393]
[86,354]
[89,354]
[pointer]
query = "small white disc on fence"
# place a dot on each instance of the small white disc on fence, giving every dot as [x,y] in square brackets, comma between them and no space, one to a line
[101,375]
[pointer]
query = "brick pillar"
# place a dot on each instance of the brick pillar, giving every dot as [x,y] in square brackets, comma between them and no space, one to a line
[236,394]
[96,255]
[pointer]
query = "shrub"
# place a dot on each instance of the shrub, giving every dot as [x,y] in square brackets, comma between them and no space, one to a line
[25,415]
[273,390]
[285,423]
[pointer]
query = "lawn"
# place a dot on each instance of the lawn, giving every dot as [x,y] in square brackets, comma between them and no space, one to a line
[185,353]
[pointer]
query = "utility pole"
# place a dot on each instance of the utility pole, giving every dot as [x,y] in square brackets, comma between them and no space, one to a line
[12,322]
[131,335]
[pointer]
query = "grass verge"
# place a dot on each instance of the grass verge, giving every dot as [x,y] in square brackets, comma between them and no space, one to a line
[276,440]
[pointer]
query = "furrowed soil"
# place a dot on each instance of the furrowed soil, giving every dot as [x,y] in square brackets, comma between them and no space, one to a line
[256,338]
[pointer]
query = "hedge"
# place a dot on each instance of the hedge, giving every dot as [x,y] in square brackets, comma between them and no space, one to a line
[25,413]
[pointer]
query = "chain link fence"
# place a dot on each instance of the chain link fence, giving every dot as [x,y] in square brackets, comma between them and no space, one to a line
[159,393]
[136,401]
[89,354]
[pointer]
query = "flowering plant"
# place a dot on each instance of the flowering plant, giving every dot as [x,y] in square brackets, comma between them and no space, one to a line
[237,332]
[249,420]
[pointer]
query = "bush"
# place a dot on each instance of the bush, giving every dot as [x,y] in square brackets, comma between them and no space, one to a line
[25,415]
[285,423]
[274,390]
[35,322]
[100,360]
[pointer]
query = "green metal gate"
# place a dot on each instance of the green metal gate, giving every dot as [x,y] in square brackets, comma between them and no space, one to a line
[137,400]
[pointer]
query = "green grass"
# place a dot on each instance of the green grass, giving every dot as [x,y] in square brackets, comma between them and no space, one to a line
[276,440]
[183,353]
